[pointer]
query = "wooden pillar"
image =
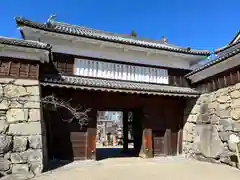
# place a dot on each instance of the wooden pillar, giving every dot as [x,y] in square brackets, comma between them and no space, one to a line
[147,143]
[91,134]
[125,131]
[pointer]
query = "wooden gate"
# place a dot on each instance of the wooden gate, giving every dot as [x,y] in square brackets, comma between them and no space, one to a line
[66,141]
[158,143]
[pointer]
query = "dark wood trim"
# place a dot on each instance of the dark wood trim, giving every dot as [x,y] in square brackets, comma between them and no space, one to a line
[218,81]
[19,68]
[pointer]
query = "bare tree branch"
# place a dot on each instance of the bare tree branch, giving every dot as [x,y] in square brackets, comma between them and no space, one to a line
[78,113]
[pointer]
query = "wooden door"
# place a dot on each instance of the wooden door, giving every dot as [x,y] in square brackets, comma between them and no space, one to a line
[159,143]
[79,145]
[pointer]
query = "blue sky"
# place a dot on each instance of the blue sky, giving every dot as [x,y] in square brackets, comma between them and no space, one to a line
[200,24]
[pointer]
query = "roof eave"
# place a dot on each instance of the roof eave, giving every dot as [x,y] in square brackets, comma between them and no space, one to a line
[27,23]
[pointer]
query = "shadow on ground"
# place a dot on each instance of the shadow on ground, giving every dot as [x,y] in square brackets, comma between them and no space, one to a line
[104,153]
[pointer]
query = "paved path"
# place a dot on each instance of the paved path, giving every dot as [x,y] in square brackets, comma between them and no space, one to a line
[142,169]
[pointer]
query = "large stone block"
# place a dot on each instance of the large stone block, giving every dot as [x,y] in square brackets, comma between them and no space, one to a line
[30,128]
[196,109]
[34,115]
[227,124]
[235,103]
[33,102]
[4,164]
[36,167]
[224,136]
[5,143]
[4,104]
[192,118]
[235,94]
[214,119]
[222,92]
[26,82]
[236,126]
[208,142]
[18,158]
[235,113]
[224,99]
[33,155]
[20,168]
[203,119]
[35,141]
[19,143]
[223,113]
[17,115]
[14,91]
[33,90]
[213,105]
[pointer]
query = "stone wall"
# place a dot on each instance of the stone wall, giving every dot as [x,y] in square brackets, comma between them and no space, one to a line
[209,122]
[20,127]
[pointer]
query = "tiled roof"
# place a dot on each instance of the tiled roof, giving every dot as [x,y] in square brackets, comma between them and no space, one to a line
[226,47]
[117,86]
[106,36]
[216,60]
[24,43]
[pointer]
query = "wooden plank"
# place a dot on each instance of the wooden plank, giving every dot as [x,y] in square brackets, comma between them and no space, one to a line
[91,143]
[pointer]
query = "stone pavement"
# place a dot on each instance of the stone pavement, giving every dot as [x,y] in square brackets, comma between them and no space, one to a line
[170,168]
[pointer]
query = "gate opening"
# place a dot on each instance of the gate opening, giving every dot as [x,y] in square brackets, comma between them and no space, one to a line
[114,135]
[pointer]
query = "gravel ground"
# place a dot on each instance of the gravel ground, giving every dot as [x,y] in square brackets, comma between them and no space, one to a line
[170,168]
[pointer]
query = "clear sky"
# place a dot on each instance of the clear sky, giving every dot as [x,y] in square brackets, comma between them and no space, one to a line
[200,24]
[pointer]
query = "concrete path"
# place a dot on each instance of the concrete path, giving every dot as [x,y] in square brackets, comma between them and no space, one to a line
[142,169]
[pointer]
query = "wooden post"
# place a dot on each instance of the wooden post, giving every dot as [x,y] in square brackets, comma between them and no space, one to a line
[147,143]
[125,131]
[91,135]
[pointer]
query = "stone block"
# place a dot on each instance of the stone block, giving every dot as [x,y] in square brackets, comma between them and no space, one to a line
[3,126]
[195,109]
[222,92]
[7,155]
[17,115]
[236,126]
[26,82]
[4,164]
[232,146]
[235,94]
[36,167]
[14,91]
[20,168]
[30,128]
[223,113]
[5,143]
[224,99]
[35,142]
[224,136]
[19,143]
[34,115]
[192,118]
[208,143]
[33,90]
[17,158]
[4,105]
[212,105]
[33,155]
[227,124]
[235,113]
[235,103]
[203,118]
[214,119]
